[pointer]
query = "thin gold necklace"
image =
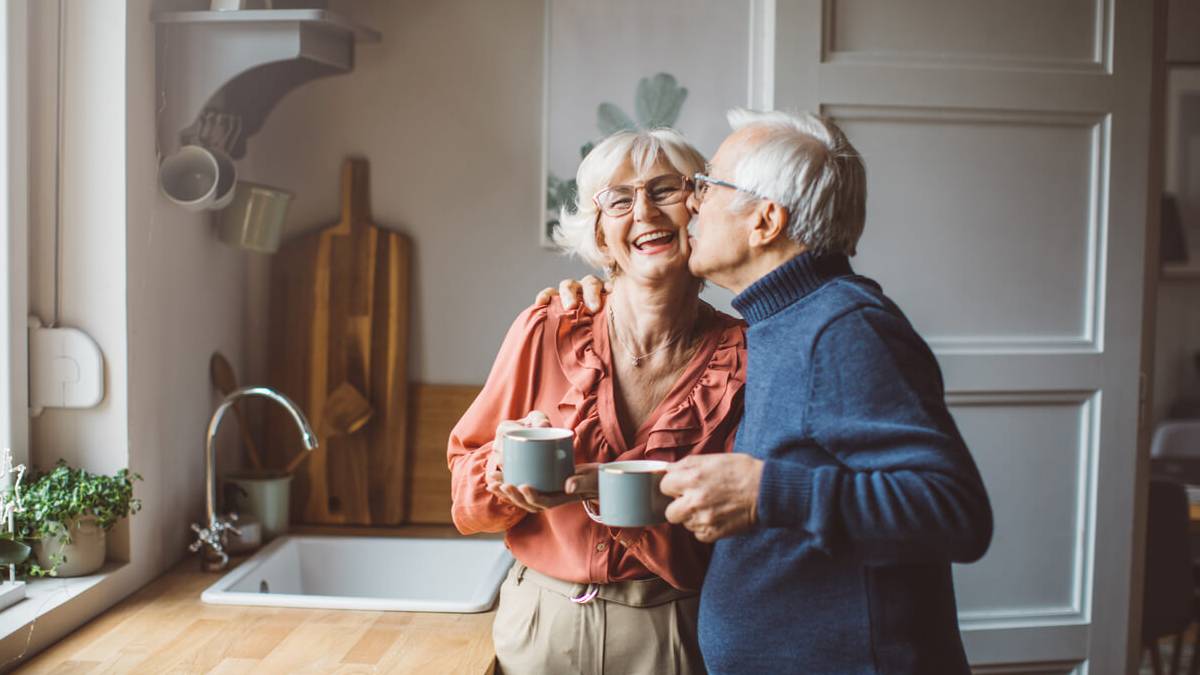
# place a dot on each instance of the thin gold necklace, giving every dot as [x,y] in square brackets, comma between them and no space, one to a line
[635,358]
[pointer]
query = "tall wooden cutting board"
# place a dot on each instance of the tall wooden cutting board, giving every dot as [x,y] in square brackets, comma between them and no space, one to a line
[339,313]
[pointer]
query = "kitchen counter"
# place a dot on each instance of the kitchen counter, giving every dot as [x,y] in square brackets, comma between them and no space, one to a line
[164,627]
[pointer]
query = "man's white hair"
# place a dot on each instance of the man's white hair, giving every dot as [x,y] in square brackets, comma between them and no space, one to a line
[806,164]
[576,232]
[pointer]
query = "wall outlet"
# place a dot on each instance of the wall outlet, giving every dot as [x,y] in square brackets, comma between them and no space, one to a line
[66,368]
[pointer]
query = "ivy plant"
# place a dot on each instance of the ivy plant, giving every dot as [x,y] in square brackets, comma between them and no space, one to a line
[62,494]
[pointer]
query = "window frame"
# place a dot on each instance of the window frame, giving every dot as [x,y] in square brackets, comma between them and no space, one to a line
[14,229]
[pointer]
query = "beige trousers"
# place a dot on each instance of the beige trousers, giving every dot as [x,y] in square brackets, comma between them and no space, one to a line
[633,627]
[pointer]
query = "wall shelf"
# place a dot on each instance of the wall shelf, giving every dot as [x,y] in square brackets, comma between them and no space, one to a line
[243,62]
[1181,272]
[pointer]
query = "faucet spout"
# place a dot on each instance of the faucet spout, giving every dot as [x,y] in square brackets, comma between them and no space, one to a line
[212,535]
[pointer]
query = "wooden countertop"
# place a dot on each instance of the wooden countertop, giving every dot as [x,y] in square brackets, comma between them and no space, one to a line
[164,627]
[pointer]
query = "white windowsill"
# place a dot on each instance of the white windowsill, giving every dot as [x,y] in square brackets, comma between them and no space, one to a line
[46,594]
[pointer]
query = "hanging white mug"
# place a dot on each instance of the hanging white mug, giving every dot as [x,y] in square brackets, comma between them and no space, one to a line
[198,178]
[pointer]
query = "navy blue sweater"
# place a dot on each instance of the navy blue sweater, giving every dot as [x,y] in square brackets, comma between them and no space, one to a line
[868,492]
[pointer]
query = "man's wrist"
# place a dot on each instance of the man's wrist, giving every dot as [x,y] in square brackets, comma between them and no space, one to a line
[784,493]
[755,483]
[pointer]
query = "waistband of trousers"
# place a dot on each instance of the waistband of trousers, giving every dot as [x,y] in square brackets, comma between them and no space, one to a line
[635,593]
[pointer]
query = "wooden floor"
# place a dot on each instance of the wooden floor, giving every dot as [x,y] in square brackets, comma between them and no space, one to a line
[165,628]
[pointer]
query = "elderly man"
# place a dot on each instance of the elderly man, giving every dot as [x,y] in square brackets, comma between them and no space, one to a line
[850,490]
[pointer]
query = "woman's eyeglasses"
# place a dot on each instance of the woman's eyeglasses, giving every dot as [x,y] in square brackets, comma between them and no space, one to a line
[661,191]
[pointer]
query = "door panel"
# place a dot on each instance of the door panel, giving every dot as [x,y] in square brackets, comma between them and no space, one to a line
[1064,33]
[1004,224]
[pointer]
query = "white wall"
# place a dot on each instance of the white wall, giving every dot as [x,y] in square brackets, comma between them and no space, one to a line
[185,295]
[448,111]
[92,233]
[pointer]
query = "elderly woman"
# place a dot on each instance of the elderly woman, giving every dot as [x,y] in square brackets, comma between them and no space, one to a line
[658,375]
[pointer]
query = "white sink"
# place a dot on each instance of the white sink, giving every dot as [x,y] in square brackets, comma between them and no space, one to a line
[371,573]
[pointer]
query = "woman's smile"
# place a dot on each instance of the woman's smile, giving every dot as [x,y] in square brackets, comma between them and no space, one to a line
[654,242]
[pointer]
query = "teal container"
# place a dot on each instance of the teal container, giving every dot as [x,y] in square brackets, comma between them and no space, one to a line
[542,457]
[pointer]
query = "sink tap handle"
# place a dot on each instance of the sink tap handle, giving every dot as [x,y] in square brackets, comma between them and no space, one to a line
[228,525]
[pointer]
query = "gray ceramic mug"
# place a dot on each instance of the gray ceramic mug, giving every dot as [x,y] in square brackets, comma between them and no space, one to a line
[630,494]
[542,458]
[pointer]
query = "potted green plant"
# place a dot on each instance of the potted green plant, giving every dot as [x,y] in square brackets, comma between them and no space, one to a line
[66,514]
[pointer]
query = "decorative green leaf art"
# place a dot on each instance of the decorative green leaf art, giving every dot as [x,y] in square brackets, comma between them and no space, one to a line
[657,102]
[610,119]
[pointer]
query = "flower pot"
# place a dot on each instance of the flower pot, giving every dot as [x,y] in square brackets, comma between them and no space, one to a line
[83,555]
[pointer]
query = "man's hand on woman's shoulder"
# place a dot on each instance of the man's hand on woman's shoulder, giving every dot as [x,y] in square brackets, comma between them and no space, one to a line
[570,291]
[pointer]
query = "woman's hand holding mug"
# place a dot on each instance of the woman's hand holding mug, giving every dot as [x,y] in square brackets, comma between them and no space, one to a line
[578,486]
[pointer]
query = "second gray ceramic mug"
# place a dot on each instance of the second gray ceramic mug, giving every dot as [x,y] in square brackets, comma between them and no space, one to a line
[542,458]
[630,494]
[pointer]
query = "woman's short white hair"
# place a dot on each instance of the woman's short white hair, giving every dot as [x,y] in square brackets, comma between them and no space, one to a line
[805,163]
[576,232]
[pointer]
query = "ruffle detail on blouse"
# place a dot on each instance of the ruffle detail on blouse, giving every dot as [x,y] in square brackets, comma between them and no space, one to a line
[572,334]
[712,398]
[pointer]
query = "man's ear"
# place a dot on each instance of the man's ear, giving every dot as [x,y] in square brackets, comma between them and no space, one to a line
[770,225]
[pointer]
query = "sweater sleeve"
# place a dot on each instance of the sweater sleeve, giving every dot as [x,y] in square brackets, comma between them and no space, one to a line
[901,486]
[508,394]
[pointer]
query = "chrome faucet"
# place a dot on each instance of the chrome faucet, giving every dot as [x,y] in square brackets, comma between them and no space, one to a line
[212,535]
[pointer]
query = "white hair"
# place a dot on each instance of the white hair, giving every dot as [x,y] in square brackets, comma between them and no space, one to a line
[576,232]
[806,164]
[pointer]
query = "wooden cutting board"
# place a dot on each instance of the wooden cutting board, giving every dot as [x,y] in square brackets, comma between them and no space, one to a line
[434,410]
[340,314]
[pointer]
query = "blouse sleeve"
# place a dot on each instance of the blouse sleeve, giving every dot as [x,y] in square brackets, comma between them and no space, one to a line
[509,394]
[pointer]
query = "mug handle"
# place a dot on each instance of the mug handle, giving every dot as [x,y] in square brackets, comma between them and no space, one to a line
[587,507]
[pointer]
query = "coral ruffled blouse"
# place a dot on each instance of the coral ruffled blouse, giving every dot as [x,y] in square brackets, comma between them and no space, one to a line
[559,362]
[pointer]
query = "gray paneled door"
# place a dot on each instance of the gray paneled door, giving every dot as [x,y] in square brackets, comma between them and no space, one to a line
[1006,150]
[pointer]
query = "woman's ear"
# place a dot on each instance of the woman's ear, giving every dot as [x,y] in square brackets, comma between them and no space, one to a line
[601,245]
[610,265]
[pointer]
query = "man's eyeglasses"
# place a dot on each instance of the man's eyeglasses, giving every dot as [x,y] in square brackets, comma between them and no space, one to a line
[661,191]
[703,183]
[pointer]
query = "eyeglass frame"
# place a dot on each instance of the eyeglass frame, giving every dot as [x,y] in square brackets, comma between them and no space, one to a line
[698,179]
[688,184]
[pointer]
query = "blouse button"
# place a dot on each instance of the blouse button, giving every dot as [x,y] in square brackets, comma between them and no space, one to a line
[602,546]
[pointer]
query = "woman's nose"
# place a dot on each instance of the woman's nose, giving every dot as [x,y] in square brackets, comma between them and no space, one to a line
[642,206]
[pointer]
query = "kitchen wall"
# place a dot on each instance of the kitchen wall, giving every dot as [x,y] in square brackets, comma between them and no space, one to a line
[185,301]
[447,108]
